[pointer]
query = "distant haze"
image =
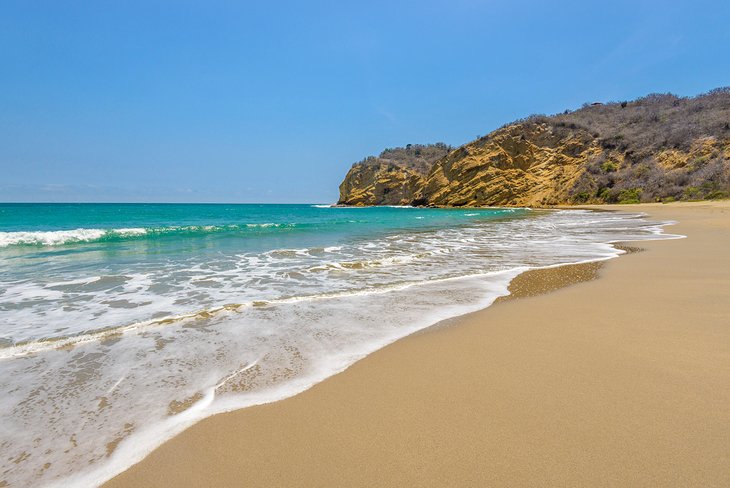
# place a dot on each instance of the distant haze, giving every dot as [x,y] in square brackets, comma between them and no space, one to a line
[256,102]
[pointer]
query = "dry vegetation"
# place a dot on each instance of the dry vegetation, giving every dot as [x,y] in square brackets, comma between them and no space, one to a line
[657,148]
[416,157]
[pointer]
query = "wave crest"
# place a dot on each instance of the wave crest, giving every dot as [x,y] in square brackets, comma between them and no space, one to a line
[82,235]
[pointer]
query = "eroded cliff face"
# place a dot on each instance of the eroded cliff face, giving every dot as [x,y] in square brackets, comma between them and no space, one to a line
[656,148]
[395,177]
[521,165]
[380,184]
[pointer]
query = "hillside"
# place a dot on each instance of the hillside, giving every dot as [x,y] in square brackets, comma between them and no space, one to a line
[655,148]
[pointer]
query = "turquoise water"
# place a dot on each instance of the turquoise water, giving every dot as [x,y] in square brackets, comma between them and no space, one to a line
[126,323]
[96,266]
[186,227]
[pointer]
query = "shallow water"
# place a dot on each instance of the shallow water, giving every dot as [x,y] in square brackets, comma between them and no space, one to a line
[120,325]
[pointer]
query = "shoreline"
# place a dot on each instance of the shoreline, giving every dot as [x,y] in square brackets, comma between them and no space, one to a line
[186,460]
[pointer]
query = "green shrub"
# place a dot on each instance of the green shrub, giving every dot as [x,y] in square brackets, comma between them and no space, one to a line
[609,166]
[630,195]
[717,194]
[604,194]
[701,160]
[692,193]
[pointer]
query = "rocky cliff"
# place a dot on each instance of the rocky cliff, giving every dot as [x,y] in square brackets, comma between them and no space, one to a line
[522,164]
[393,178]
[656,148]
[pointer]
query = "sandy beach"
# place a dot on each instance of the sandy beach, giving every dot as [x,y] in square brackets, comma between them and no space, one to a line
[611,375]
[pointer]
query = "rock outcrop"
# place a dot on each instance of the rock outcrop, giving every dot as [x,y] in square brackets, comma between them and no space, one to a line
[524,164]
[393,178]
[657,148]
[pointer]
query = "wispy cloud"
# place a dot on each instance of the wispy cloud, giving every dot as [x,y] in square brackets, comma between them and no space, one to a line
[388,115]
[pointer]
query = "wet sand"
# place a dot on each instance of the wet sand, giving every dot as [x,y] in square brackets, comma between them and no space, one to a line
[622,380]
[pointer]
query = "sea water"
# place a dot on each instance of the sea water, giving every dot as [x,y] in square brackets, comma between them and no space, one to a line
[122,324]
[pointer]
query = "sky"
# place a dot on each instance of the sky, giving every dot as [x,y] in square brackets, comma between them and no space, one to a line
[272,102]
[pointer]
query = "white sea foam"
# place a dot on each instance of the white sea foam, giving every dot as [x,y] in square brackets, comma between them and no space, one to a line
[60,237]
[80,281]
[50,238]
[82,235]
[133,231]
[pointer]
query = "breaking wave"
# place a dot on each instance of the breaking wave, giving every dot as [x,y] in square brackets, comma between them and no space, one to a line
[75,236]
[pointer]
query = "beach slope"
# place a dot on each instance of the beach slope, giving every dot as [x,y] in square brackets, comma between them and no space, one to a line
[622,380]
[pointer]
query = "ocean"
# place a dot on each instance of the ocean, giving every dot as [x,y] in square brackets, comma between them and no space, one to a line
[123,324]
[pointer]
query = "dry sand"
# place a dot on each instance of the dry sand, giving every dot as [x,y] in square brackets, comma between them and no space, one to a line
[618,381]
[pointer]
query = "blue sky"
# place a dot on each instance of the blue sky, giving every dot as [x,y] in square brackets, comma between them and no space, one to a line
[273,101]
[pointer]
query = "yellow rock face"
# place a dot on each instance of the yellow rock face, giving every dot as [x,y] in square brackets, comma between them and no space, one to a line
[380,184]
[522,164]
